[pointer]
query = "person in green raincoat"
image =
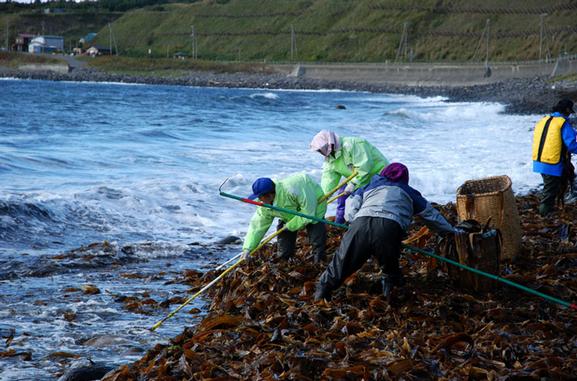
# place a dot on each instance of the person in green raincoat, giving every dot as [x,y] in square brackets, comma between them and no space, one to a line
[298,192]
[342,156]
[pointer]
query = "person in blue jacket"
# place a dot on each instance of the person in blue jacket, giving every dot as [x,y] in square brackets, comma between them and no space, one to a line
[554,140]
[381,213]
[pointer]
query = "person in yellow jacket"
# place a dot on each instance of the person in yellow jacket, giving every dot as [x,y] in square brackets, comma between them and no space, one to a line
[554,139]
[342,156]
[298,192]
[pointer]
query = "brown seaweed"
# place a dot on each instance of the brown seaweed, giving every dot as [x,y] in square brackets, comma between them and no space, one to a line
[263,324]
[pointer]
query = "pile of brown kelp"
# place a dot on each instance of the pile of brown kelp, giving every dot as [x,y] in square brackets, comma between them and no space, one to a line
[264,324]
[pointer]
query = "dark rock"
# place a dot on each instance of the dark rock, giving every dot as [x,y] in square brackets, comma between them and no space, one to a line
[231,239]
[85,370]
[104,341]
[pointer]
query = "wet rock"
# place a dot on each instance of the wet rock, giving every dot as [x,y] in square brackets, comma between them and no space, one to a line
[60,355]
[128,250]
[7,333]
[104,341]
[85,370]
[24,356]
[90,289]
[134,351]
[231,239]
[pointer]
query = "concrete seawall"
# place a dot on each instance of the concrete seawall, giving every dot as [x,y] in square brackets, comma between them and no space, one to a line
[56,68]
[425,74]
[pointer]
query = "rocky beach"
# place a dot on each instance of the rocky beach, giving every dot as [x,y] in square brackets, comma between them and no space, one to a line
[131,129]
[262,323]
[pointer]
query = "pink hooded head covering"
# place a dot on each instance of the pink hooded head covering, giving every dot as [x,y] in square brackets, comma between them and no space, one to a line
[326,142]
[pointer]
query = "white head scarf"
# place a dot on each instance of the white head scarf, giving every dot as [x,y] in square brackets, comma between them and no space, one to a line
[326,142]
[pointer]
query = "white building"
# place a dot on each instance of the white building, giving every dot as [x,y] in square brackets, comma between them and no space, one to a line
[46,44]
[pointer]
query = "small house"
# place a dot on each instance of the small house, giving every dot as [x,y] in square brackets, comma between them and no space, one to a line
[46,44]
[87,40]
[22,41]
[98,50]
[48,11]
[180,55]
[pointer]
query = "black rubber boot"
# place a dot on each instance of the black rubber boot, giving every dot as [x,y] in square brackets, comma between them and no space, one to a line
[387,284]
[322,293]
[389,281]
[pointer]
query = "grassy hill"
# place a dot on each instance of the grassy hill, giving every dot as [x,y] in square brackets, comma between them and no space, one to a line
[349,30]
[71,25]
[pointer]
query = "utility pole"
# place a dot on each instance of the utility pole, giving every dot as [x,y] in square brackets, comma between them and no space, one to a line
[403,43]
[487,43]
[7,34]
[193,53]
[114,39]
[110,38]
[541,25]
[293,43]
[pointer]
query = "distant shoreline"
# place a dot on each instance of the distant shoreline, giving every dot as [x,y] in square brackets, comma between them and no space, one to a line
[520,96]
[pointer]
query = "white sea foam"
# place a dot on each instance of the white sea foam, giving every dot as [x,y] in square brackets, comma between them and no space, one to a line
[102,83]
[267,95]
[134,186]
[319,91]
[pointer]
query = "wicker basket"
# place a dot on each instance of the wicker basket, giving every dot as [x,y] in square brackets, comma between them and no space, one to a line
[492,198]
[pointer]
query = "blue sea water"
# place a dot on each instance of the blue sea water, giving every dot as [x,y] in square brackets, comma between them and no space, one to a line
[141,165]
[83,162]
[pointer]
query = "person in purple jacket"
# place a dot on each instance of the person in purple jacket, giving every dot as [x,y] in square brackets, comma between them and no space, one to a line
[554,140]
[380,214]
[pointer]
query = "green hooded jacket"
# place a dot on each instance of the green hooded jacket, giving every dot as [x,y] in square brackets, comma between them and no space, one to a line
[297,192]
[353,153]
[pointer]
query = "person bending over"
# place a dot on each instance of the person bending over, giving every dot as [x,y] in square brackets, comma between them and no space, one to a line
[380,214]
[298,192]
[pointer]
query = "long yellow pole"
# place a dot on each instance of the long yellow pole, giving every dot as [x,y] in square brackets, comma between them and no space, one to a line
[264,242]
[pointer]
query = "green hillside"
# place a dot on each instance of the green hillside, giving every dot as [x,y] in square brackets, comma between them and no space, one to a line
[71,25]
[349,30]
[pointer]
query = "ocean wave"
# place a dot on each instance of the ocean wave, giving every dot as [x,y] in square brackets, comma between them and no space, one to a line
[267,95]
[102,83]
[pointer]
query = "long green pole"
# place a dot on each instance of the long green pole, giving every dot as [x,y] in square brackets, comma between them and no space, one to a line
[322,199]
[264,242]
[284,210]
[492,276]
[420,251]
